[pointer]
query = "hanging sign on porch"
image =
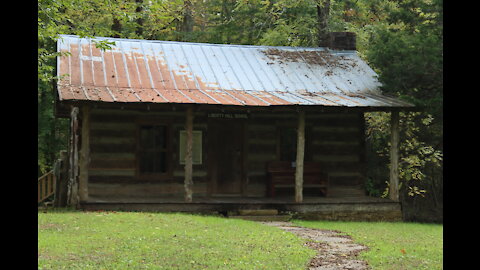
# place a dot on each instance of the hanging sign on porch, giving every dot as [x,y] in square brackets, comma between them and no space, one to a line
[228,115]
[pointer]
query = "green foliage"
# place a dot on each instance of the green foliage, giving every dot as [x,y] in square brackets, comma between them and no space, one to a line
[371,188]
[51,131]
[416,155]
[408,53]
[410,66]
[293,23]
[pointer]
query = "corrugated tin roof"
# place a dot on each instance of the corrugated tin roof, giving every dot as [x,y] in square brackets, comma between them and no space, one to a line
[182,72]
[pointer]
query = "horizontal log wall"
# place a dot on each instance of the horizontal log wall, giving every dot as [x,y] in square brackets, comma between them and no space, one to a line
[262,148]
[336,140]
[338,144]
[112,170]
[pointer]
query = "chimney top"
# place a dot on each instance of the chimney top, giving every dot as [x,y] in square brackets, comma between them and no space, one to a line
[342,41]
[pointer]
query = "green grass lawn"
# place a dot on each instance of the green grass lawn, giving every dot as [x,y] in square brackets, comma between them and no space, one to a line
[392,245]
[121,240]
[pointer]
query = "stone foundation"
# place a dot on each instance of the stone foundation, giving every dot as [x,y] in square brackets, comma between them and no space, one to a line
[379,215]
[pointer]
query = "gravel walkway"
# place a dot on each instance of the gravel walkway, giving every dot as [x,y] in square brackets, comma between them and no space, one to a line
[335,251]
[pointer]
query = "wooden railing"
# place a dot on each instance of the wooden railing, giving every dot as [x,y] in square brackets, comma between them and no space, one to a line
[46,186]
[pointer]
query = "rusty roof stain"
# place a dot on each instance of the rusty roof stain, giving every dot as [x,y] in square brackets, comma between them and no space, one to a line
[245,75]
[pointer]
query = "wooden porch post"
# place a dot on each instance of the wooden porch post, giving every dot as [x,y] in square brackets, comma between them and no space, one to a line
[394,156]
[84,155]
[300,157]
[72,187]
[188,155]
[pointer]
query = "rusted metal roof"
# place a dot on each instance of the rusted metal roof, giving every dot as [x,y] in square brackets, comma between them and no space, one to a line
[182,72]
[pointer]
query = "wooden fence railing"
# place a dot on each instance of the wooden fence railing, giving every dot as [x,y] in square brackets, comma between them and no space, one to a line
[46,186]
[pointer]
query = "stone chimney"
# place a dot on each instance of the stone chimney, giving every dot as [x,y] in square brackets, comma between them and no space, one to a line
[342,41]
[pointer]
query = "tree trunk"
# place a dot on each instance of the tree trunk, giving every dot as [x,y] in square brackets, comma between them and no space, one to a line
[61,184]
[187,22]
[116,26]
[323,10]
[139,9]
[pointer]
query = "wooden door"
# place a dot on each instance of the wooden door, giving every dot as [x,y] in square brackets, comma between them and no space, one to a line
[225,156]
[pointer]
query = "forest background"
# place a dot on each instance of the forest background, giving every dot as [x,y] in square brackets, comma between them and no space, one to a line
[402,40]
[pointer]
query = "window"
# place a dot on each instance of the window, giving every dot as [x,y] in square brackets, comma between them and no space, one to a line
[152,149]
[196,148]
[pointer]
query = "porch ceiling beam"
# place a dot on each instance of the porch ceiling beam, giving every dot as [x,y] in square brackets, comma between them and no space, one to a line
[394,157]
[300,157]
[188,155]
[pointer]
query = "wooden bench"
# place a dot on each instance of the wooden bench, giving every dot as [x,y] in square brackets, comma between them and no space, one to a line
[282,174]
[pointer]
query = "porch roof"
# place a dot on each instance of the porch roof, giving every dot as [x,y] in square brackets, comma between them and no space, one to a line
[150,71]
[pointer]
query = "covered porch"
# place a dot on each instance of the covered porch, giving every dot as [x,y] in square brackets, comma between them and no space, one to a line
[229,170]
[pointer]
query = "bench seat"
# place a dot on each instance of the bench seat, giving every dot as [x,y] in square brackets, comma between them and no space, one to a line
[282,174]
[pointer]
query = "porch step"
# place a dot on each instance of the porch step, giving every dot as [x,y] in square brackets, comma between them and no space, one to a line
[258,212]
[264,218]
[259,215]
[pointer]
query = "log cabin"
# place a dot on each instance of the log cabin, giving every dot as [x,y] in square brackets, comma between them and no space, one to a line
[179,126]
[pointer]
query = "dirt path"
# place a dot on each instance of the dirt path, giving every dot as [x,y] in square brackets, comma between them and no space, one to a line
[335,251]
